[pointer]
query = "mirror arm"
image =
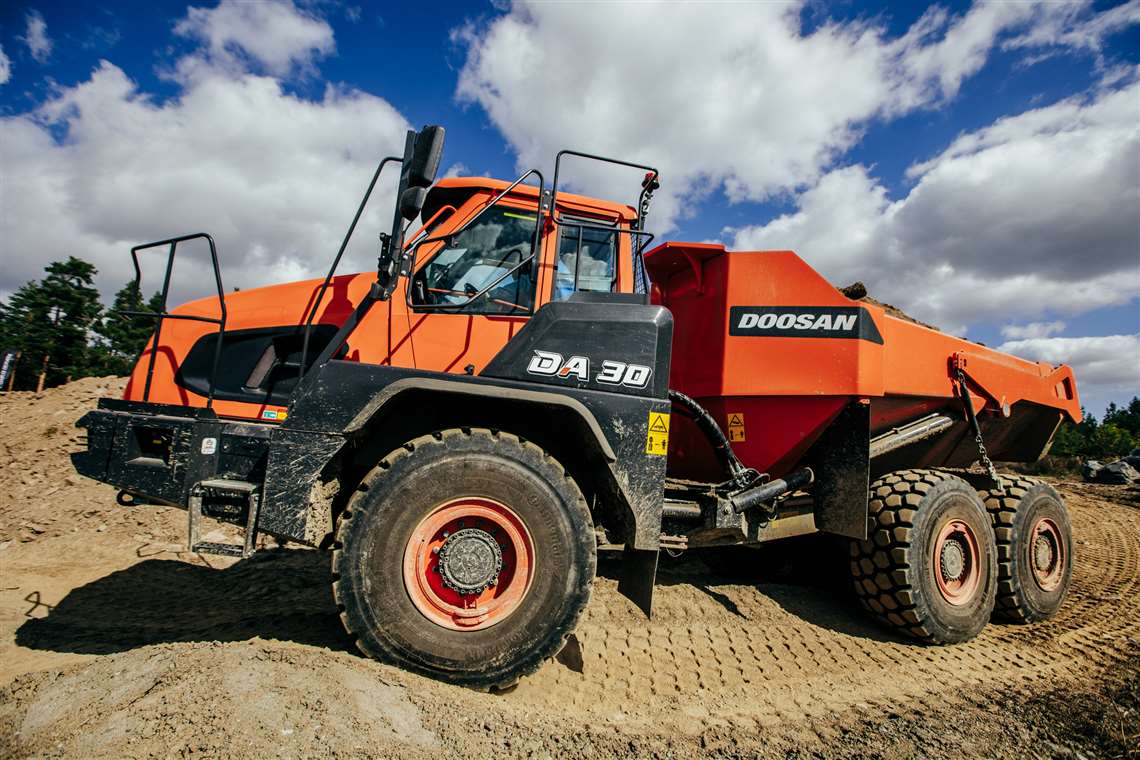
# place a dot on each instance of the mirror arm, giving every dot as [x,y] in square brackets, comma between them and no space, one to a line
[388,268]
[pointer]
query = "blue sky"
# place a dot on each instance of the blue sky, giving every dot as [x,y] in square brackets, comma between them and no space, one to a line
[939,153]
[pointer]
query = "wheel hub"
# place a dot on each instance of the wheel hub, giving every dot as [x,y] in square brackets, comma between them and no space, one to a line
[952,561]
[1043,553]
[469,564]
[470,561]
[1049,556]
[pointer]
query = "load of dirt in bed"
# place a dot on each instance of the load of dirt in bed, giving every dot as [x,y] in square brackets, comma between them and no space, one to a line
[857,291]
[116,642]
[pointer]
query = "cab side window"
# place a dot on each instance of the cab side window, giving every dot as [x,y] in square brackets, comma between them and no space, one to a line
[587,258]
[492,251]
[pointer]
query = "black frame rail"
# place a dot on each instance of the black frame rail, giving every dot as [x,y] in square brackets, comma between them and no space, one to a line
[159,316]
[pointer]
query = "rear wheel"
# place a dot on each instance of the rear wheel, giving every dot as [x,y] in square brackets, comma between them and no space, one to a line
[929,568]
[1035,548]
[466,556]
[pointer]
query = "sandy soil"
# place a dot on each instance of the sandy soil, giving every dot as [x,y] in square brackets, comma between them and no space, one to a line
[115,642]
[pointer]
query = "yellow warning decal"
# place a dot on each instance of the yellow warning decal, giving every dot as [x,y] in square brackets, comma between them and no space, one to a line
[657,438]
[735,427]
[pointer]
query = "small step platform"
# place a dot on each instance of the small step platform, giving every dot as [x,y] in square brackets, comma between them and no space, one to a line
[222,488]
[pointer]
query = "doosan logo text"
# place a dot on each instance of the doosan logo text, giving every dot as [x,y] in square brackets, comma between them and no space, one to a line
[803,322]
[798,321]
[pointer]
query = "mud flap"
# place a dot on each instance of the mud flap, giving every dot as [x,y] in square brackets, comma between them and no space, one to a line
[638,575]
[841,462]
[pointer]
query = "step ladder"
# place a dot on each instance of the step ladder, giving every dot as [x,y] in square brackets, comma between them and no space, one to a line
[221,488]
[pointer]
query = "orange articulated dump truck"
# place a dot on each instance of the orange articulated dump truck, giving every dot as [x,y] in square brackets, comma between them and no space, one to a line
[527,378]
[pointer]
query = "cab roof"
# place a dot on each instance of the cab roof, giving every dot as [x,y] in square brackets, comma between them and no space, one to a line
[456,190]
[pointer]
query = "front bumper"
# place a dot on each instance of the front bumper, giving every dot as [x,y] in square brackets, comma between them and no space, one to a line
[157,452]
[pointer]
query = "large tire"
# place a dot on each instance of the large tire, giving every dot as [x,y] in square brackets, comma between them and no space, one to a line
[1035,548]
[930,566]
[520,533]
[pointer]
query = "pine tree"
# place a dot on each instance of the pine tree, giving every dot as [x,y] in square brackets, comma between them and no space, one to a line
[49,323]
[1126,418]
[122,337]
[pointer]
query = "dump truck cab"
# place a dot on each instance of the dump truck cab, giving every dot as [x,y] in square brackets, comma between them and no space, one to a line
[474,233]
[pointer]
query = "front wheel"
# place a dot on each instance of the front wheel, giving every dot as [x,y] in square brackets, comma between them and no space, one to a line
[466,556]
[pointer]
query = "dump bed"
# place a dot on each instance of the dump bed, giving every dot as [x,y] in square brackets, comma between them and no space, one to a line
[775,352]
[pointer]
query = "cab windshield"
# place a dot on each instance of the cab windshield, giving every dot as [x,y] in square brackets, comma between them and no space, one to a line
[498,242]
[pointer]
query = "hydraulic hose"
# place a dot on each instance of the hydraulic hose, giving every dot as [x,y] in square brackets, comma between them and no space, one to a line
[733,467]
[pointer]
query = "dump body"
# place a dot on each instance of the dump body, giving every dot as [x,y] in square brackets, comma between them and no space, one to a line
[775,353]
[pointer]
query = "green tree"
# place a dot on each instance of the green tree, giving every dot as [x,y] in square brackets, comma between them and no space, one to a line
[1070,440]
[49,323]
[1111,441]
[122,337]
[1117,434]
[1127,418]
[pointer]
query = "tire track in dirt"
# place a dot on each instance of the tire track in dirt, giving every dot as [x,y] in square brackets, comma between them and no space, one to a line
[139,652]
[770,652]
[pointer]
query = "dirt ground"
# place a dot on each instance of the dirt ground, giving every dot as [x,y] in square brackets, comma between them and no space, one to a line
[115,642]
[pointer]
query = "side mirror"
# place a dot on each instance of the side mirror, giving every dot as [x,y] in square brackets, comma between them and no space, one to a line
[411,201]
[425,158]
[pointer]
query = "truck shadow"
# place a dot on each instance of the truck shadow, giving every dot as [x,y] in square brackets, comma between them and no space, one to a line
[287,595]
[281,594]
[807,577]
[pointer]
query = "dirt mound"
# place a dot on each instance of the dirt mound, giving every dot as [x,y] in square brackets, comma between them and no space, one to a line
[857,291]
[114,642]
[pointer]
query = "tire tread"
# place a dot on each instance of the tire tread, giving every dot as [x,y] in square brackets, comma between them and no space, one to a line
[554,472]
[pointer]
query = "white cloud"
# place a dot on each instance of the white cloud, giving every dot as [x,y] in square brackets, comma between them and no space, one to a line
[737,97]
[1034,214]
[1102,364]
[273,176]
[1068,26]
[273,34]
[5,67]
[1032,330]
[457,170]
[36,38]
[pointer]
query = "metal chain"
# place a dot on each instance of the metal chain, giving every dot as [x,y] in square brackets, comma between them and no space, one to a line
[983,455]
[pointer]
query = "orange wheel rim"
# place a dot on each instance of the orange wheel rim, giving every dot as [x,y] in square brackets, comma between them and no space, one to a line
[1047,554]
[469,564]
[955,562]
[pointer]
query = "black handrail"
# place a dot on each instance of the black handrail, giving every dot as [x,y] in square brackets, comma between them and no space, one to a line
[648,185]
[159,316]
[336,260]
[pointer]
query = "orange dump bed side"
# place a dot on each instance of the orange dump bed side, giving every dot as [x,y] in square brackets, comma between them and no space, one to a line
[765,341]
